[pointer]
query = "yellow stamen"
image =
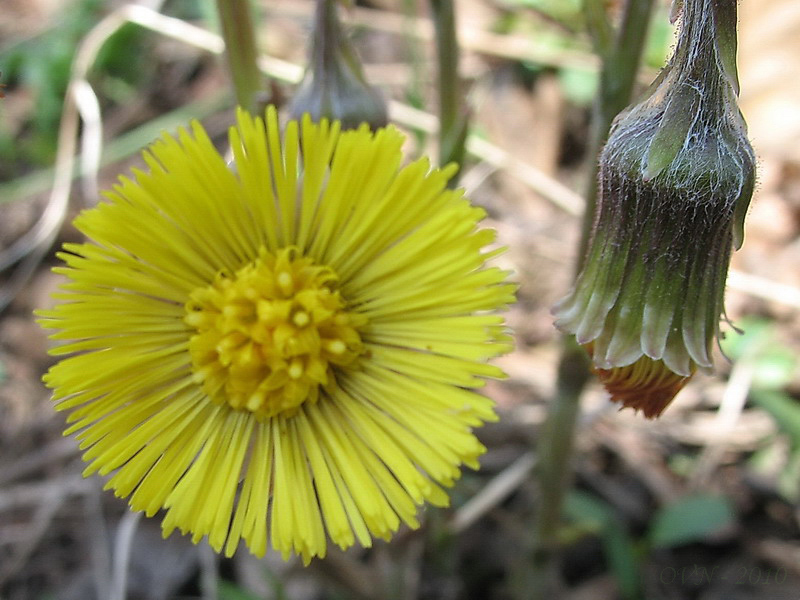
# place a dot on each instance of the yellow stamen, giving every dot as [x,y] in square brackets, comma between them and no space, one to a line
[296,369]
[336,346]
[285,282]
[255,343]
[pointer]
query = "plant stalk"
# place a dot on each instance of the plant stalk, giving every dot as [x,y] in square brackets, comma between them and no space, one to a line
[236,21]
[452,114]
[556,440]
[554,453]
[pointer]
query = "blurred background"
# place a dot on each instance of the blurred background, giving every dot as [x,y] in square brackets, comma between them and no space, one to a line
[701,504]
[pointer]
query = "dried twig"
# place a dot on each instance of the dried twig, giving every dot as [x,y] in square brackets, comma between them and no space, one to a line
[493,493]
[91,137]
[209,576]
[537,180]
[764,288]
[47,497]
[122,554]
[512,47]
[98,539]
[31,462]
[79,100]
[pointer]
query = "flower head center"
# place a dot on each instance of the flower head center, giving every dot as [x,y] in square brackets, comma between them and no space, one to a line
[270,335]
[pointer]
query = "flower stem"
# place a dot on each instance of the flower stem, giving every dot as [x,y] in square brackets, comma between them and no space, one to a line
[452,115]
[540,580]
[240,49]
[556,440]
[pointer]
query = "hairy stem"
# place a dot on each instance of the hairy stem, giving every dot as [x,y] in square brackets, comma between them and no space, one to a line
[236,21]
[556,440]
[452,115]
[541,581]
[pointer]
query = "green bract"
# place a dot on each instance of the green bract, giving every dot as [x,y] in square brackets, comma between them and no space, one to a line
[676,177]
[334,86]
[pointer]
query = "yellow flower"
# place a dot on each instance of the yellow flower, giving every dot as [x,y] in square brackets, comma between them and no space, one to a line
[284,348]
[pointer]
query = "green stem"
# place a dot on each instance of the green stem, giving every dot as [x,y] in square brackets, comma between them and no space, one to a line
[452,115]
[556,440]
[599,27]
[540,580]
[617,78]
[414,91]
[240,49]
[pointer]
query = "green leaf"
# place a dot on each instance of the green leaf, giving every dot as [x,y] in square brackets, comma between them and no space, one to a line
[774,369]
[579,85]
[566,11]
[789,478]
[230,591]
[691,519]
[774,363]
[783,408]
[598,516]
[588,510]
[659,39]
[753,333]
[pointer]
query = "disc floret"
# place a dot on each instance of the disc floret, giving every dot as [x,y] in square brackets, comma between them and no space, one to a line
[270,335]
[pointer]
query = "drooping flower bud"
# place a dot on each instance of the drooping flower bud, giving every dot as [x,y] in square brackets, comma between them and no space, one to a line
[676,177]
[334,85]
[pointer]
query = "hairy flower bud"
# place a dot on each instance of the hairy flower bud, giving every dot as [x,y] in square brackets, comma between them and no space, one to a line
[334,85]
[676,177]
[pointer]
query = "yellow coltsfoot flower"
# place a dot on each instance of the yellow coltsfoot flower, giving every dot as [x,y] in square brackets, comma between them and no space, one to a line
[282,351]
